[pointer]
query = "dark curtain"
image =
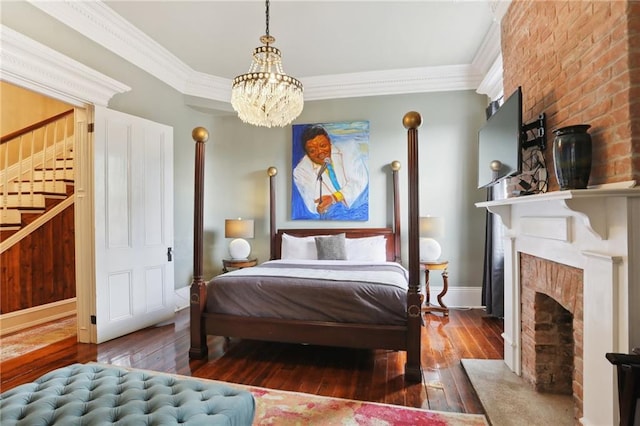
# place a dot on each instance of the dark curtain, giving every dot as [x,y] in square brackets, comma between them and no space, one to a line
[493,279]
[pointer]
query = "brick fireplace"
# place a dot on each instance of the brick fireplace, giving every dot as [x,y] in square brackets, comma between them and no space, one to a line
[571,291]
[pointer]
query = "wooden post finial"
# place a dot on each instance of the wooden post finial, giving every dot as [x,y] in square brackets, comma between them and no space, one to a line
[412,120]
[200,134]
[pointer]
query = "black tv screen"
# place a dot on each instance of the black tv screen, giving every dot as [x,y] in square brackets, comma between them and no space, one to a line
[499,153]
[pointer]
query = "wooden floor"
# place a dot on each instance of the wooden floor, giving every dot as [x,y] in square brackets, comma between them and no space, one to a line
[338,372]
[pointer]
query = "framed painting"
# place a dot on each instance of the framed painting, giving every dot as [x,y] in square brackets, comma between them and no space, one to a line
[330,171]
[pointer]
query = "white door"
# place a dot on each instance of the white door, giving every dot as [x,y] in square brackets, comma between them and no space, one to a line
[133,205]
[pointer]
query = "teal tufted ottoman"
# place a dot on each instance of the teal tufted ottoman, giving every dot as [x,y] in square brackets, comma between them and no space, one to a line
[94,394]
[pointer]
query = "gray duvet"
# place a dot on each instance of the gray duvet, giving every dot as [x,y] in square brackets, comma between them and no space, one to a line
[336,291]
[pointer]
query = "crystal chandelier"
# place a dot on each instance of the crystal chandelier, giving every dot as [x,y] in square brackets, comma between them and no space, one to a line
[266,96]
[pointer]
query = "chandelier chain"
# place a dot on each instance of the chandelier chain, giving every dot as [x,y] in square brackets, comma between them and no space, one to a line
[267,17]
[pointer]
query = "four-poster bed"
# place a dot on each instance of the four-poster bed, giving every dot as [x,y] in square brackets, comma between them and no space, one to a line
[210,316]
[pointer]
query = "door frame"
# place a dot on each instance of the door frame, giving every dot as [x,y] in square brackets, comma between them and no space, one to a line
[36,67]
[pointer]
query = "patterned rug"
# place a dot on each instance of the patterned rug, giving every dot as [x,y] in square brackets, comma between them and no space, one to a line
[285,408]
[282,408]
[32,339]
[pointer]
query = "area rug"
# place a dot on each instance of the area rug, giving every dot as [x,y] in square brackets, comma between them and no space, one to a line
[35,338]
[283,408]
[286,408]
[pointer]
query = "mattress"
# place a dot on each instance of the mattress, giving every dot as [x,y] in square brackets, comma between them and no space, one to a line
[95,394]
[334,291]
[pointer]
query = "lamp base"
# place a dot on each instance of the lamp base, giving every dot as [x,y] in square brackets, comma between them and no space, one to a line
[430,250]
[239,249]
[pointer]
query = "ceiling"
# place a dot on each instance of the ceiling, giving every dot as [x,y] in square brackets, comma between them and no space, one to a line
[337,49]
[317,38]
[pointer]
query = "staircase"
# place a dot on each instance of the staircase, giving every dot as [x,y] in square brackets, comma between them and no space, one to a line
[37,172]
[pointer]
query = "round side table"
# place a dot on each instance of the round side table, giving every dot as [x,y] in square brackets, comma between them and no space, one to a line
[238,264]
[436,265]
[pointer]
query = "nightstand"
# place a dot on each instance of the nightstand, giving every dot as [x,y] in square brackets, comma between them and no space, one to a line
[237,264]
[436,265]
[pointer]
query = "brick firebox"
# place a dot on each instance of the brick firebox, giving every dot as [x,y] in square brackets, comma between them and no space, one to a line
[552,327]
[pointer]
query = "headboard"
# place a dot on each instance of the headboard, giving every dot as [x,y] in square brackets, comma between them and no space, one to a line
[392,250]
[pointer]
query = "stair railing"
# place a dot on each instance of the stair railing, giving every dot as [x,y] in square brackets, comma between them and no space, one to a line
[29,148]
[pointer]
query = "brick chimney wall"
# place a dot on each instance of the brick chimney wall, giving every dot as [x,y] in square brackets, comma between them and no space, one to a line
[579,62]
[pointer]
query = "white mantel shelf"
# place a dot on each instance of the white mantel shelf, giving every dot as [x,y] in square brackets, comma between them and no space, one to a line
[596,230]
[587,202]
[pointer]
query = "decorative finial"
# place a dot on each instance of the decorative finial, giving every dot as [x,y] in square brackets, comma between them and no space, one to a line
[495,165]
[412,120]
[200,134]
[395,165]
[272,171]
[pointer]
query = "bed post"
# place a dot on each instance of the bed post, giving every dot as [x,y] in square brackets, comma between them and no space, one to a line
[412,370]
[272,172]
[395,167]
[198,290]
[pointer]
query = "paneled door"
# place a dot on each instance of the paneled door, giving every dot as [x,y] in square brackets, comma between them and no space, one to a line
[133,211]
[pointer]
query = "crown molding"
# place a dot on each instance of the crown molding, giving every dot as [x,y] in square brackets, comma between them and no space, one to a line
[391,82]
[492,84]
[98,22]
[27,63]
[101,24]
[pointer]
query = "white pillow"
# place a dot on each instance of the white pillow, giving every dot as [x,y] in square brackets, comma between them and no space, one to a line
[373,249]
[302,248]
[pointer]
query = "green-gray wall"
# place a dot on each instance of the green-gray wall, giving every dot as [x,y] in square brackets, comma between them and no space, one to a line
[238,155]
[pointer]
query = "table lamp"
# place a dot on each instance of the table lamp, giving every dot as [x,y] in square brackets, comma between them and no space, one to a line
[431,227]
[239,229]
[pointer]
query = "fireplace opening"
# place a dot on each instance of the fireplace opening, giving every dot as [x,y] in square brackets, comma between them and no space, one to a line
[551,368]
[552,327]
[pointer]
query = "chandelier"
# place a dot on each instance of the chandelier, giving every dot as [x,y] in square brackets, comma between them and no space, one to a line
[266,96]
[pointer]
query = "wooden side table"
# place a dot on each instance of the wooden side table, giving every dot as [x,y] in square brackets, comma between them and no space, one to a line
[238,264]
[436,265]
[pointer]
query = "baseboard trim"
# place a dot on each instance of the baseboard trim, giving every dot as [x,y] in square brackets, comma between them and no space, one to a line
[182,298]
[30,317]
[458,297]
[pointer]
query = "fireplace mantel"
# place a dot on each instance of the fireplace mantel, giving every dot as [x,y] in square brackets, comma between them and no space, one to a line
[598,231]
[590,203]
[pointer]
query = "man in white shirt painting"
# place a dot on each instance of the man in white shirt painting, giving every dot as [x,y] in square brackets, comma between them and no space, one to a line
[331,178]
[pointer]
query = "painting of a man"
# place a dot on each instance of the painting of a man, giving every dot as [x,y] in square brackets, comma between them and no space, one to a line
[330,173]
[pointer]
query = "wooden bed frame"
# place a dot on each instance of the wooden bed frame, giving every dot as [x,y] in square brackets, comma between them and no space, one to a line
[369,336]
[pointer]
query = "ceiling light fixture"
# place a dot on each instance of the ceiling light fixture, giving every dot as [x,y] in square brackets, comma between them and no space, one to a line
[266,96]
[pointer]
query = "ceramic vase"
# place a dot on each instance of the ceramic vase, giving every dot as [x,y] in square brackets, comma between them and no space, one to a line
[572,156]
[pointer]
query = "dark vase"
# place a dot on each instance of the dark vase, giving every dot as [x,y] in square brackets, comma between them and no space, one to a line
[572,156]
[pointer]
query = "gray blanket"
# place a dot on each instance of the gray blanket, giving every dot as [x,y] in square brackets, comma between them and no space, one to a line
[335,291]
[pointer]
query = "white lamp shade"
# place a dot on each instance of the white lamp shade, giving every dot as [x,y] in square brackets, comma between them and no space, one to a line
[431,227]
[239,249]
[430,250]
[238,228]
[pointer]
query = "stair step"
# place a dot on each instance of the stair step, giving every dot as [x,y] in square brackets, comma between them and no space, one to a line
[46,187]
[10,219]
[24,201]
[44,175]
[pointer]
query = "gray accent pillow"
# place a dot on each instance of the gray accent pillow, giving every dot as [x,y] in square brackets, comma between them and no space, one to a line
[332,247]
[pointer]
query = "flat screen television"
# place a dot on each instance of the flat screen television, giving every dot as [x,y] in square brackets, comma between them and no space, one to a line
[499,142]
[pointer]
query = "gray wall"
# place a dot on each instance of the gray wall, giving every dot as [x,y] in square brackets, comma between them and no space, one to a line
[238,156]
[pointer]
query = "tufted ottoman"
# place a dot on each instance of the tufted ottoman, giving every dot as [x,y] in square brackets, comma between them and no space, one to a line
[94,394]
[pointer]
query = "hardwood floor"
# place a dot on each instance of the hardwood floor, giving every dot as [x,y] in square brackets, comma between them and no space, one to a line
[338,372]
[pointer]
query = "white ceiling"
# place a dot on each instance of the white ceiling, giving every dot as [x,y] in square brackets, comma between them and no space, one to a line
[317,38]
